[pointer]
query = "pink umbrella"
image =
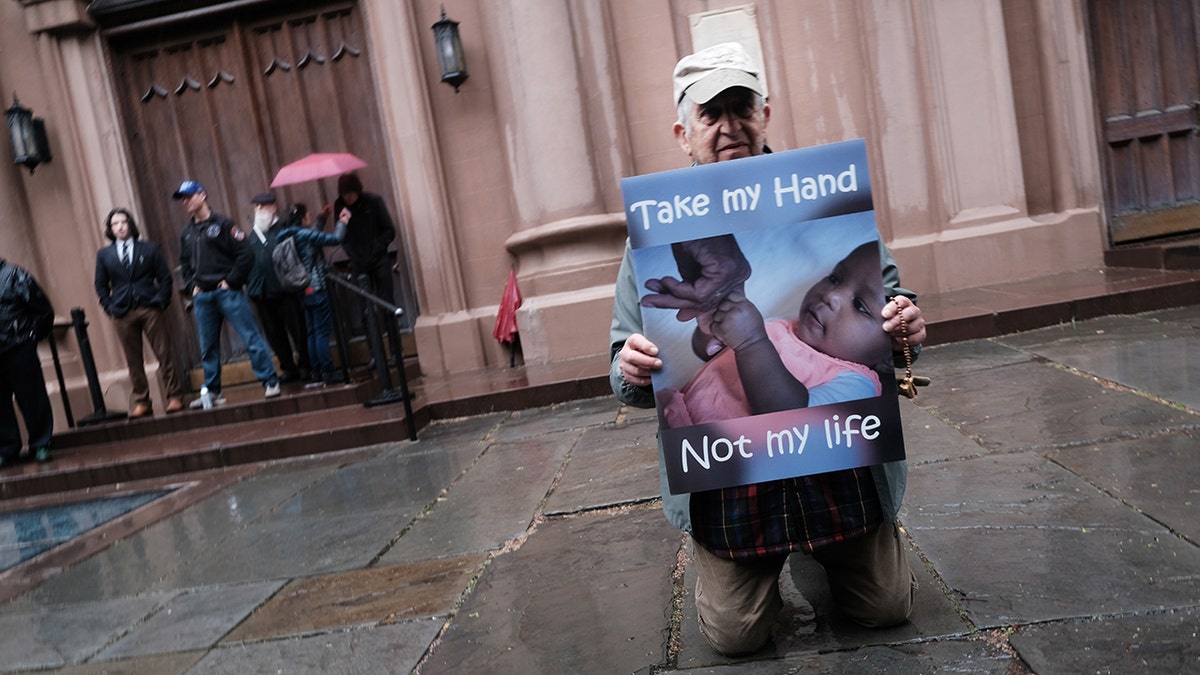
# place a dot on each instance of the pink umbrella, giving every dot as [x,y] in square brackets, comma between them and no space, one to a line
[317,165]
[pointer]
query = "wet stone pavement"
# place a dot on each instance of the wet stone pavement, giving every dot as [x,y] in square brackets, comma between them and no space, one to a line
[1051,517]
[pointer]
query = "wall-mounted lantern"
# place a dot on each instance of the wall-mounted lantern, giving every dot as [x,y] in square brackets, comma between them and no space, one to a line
[30,145]
[450,52]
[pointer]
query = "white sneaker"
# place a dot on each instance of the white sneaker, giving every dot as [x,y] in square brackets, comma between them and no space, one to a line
[272,390]
[217,400]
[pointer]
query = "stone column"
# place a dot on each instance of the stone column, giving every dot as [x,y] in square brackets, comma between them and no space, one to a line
[559,101]
[953,182]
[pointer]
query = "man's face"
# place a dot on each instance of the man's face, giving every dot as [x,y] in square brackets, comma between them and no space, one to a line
[349,198]
[269,209]
[120,226]
[730,126]
[194,203]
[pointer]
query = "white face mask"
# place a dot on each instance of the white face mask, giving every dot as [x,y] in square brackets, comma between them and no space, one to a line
[262,220]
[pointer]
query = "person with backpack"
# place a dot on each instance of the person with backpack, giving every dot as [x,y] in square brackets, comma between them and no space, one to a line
[279,308]
[26,317]
[318,316]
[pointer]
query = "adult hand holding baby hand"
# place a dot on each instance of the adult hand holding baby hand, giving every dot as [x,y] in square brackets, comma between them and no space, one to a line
[710,268]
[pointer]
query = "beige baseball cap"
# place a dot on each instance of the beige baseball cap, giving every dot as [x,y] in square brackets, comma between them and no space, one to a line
[714,69]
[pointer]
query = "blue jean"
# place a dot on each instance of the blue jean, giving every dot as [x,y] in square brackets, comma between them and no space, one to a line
[214,307]
[319,321]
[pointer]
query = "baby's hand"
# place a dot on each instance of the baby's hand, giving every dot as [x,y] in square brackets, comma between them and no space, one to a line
[737,322]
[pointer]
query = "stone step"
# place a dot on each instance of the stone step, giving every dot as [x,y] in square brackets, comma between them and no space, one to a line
[1175,254]
[236,433]
[246,403]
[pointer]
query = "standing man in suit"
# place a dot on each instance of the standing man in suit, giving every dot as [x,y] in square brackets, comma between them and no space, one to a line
[134,285]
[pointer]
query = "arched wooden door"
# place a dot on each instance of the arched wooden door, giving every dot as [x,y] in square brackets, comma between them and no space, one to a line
[231,98]
[1145,57]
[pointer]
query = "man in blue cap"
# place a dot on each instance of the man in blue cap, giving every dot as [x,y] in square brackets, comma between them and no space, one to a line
[215,261]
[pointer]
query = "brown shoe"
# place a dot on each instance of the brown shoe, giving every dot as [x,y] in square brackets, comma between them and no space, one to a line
[139,410]
[174,405]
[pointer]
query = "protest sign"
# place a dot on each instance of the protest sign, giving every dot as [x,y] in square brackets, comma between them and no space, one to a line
[781,236]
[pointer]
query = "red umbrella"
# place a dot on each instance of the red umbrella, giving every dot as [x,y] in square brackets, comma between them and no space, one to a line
[317,165]
[506,319]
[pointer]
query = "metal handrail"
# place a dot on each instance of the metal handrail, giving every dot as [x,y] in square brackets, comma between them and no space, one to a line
[375,341]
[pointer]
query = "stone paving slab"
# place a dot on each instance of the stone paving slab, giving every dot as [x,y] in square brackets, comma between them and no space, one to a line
[583,594]
[609,466]
[1126,330]
[193,620]
[928,439]
[1019,539]
[361,597]
[272,550]
[961,358]
[394,648]
[1161,642]
[944,656]
[128,566]
[67,634]
[1035,405]
[158,664]
[1188,314]
[400,485]
[570,415]
[495,500]
[441,434]
[809,622]
[1142,354]
[1160,479]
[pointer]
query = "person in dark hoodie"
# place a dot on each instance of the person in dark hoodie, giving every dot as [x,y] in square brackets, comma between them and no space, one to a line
[26,317]
[215,261]
[370,231]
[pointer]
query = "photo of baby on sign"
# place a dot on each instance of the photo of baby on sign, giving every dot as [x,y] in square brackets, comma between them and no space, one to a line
[761,279]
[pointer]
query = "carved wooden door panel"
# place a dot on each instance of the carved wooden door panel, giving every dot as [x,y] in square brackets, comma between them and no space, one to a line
[1145,57]
[229,102]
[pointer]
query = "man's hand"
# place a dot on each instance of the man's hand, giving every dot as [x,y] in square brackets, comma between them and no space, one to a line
[709,268]
[913,321]
[637,359]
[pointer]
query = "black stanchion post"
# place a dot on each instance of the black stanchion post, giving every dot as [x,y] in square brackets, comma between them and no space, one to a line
[100,413]
[375,340]
[62,382]
[403,377]
[338,329]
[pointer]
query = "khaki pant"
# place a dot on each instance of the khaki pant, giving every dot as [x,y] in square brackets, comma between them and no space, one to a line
[153,323]
[737,601]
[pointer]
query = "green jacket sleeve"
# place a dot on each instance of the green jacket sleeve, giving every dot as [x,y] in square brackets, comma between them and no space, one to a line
[627,320]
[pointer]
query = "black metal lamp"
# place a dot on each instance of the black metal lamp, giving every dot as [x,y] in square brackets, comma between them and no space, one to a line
[450,52]
[30,145]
